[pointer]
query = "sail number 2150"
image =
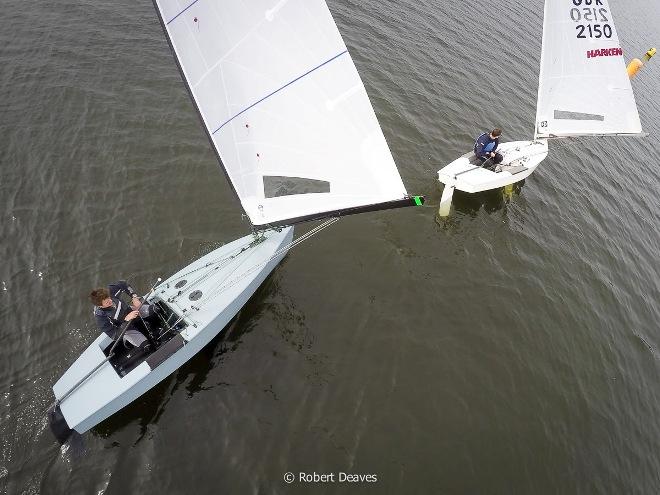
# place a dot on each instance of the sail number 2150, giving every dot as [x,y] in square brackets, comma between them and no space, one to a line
[595,31]
[590,15]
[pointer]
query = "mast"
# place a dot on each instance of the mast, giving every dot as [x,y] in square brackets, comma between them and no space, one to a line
[541,64]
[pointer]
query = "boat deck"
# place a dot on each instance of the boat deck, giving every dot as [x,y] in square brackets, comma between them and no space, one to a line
[520,159]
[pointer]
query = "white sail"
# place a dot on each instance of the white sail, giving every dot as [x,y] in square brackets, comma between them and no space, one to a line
[283,105]
[583,85]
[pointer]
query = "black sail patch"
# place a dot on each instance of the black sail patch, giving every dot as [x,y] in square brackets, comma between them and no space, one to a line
[562,115]
[277,186]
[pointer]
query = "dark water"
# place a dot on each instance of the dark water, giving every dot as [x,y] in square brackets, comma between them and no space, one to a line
[513,349]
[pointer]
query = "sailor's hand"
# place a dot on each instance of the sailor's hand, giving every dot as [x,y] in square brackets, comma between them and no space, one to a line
[136,302]
[131,315]
[492,154]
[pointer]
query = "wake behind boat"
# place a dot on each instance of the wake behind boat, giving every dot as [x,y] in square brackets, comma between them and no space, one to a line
[293,129]
[584,90]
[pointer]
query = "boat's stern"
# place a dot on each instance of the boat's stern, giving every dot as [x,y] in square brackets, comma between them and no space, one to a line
[58,424]
[449,174]
[88,387]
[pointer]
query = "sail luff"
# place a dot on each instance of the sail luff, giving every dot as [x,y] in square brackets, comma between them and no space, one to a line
[541,65]
[192,97]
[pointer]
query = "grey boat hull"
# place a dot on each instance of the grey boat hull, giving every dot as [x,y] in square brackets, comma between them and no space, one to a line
[213,292]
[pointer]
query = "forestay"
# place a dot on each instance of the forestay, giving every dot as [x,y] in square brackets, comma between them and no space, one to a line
[583,88]
[283,105]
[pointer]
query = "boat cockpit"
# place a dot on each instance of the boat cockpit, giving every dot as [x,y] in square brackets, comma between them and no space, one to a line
[162,327]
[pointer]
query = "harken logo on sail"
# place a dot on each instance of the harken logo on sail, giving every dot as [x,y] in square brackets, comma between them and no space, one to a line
[606,52]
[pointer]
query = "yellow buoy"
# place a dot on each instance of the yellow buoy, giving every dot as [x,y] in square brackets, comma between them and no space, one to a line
[636,64]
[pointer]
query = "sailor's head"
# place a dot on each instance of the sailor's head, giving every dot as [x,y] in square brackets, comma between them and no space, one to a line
[495,133]
[100,297]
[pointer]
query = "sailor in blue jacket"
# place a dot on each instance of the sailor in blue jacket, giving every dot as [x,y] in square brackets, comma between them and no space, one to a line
[485,148]
[111,312]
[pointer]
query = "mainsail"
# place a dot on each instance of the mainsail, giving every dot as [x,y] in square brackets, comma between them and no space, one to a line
[583,85]
[284,107]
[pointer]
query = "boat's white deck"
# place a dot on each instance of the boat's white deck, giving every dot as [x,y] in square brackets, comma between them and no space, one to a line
[520,159]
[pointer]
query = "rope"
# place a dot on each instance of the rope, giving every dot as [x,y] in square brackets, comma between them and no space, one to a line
[219,260]
[252,269]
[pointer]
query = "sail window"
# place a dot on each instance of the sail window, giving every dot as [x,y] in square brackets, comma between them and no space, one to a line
[562,115]
[277,186]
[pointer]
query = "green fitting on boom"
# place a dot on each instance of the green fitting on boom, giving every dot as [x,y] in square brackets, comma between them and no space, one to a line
[419,200]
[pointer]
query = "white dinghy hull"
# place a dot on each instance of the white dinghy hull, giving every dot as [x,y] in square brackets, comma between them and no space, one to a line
[203,298]
[520,160]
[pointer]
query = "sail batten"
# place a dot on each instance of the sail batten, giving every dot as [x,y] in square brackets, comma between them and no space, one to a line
[279,96]
[584,88]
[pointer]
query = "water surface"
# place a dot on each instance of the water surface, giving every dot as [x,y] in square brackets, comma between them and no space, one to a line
[513,349]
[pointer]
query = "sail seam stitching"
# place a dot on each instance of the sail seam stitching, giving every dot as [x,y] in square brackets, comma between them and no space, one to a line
[280,89]
[175,17]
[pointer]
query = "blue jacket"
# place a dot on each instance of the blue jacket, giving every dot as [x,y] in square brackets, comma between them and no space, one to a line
[109,320]
[485,145]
